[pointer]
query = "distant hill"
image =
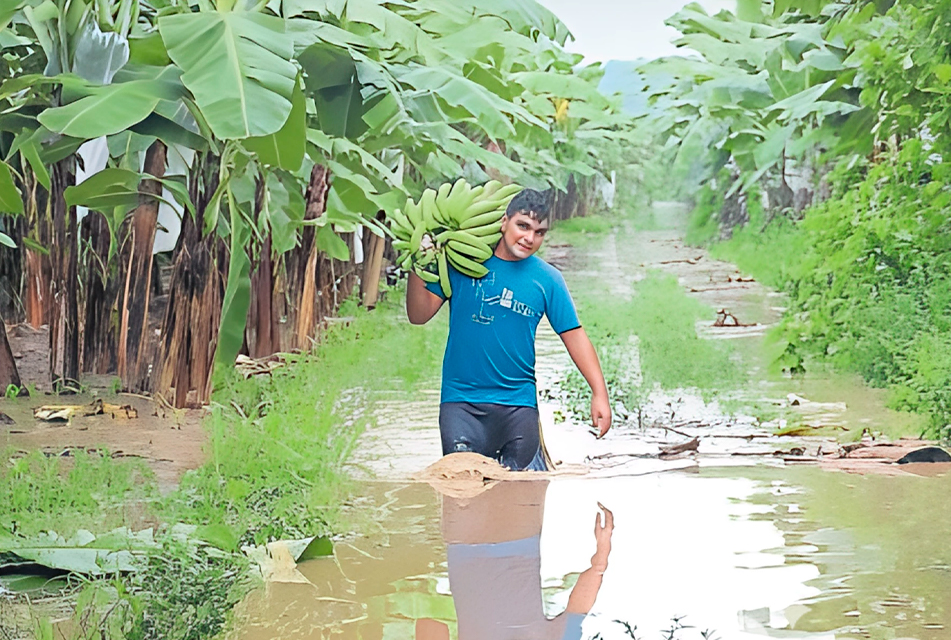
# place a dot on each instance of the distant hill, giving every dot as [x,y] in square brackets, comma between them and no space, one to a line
[621,77]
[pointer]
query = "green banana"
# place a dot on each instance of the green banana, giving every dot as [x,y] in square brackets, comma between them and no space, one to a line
[413,212]
[425,259]
[477,253]
[460,197]
[442,194]
[485,230]
[466,265]
[459,189]
[428,205]
[491,187]
[441,205]
[489,217]
[441,238]
[478,208]
[427,276]
[493,239]
[417,238]
[400,225]
[463,222]
[467,238]
[443,267]
[508,191]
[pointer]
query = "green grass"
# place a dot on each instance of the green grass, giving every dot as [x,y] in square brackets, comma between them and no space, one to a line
[87,491]
[659,314]
[662,317]
[771,256]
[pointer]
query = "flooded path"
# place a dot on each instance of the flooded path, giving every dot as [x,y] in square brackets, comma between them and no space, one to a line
[756,552]
[731,541]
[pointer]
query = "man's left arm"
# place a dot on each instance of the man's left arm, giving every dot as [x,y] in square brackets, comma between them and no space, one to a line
[585,357]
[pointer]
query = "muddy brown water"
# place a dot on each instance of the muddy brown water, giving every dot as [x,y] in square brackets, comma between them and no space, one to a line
[755,552]
[729,542]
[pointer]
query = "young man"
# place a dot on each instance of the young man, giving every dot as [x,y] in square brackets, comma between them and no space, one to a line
[489,404]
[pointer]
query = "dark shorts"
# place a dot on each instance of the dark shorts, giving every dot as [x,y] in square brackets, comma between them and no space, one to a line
[507,434]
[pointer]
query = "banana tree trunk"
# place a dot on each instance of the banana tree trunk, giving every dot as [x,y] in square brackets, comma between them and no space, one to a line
[64,316]
[11,270]
[99,291]
[37,267]
[372,268]
[8,366]
[263,328]
[190,329]
[135,355]
[317,282]
[301,266]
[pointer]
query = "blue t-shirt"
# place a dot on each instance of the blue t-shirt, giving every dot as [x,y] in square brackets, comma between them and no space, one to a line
[490,354]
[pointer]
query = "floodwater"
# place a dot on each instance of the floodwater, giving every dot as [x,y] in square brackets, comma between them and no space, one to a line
[756,552]
[732,541]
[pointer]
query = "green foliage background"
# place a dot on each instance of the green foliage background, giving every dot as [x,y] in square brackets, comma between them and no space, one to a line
[855,97]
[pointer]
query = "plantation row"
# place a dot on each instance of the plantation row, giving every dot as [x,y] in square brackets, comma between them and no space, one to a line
[816,136]
[278,136]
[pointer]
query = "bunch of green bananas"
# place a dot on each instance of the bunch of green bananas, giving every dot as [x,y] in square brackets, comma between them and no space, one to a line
[461,225]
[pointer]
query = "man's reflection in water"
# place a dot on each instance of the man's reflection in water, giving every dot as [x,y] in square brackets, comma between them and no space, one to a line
[495,567]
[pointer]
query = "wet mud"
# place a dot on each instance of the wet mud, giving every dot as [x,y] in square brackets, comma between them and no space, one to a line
[169,441]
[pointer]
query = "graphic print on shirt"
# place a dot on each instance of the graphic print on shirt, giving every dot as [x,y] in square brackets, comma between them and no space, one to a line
[506,300]
[482,317]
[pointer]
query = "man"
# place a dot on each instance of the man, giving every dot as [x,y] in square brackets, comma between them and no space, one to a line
[489,404]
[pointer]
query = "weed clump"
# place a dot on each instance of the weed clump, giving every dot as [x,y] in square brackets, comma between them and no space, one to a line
[82,491]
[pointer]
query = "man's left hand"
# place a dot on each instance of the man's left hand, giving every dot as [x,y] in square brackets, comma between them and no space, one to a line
[600,414]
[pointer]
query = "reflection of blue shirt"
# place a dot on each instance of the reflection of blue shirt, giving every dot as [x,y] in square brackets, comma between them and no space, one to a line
[497,592]
[490,355]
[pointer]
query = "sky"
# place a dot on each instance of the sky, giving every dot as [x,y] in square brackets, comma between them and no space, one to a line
[623,29]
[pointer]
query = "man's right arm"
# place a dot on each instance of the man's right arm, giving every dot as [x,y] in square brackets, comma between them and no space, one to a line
[421,303]
[586,589]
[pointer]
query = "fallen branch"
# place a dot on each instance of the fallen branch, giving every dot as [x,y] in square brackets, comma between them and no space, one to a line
[683,261]
[691,445]
[605,456]
[727,319]
[672,430]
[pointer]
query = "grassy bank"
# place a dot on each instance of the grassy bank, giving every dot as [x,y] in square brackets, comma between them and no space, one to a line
[869,280]
[277,450]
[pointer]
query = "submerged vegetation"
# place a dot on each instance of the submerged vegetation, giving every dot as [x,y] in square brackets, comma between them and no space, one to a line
[646,337]
[867,274]
[280,442]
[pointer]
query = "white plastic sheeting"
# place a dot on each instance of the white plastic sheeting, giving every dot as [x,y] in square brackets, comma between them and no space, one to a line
[95,155]
[169,216]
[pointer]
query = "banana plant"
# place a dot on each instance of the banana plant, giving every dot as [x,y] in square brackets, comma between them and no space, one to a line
[764,90]
[267,101]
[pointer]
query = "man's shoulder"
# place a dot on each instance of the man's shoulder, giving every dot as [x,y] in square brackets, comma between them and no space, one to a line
[549,271]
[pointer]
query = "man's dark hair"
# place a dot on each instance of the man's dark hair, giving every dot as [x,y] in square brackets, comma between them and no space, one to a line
[530,202]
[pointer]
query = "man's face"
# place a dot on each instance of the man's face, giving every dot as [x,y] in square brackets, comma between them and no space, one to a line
[522,236]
